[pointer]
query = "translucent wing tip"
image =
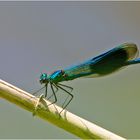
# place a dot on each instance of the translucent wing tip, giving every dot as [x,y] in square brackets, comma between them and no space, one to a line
[131,50]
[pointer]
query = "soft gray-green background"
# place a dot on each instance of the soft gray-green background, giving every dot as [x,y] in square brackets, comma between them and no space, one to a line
[40,37]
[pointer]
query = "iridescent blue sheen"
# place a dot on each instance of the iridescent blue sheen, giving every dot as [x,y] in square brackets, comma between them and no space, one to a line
[100,65]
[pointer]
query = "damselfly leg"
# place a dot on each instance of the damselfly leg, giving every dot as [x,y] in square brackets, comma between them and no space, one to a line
[66,86]
[54,91]
[38,90]
[62,85]
[55,98]
[71,96]
[57,87]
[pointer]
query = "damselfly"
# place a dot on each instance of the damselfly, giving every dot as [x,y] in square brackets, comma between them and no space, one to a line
[101,65]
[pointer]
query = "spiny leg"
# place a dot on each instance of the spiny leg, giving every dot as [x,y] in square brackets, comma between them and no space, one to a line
[53,94]
[65,86]
[65,101]
[68,101]
[36,106]
[39,90]
[46,85]
[68,94]
[40,98]
[55,87]
[54,91]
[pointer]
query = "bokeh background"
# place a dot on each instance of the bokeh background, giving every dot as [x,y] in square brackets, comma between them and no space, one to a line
[40,37]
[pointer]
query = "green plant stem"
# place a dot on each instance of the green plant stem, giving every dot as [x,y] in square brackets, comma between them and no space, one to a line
[68,121]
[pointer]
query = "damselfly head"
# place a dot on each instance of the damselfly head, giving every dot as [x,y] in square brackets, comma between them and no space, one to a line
[43,78]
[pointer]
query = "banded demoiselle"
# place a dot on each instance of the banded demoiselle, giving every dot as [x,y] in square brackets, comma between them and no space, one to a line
[101,65]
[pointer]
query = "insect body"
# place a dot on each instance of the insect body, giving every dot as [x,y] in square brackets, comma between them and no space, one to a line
[101,65]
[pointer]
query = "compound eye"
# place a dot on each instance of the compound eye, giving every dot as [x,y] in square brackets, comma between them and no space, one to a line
[44,75]
[43,78]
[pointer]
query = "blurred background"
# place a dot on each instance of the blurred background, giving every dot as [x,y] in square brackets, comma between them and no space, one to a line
[40,37]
